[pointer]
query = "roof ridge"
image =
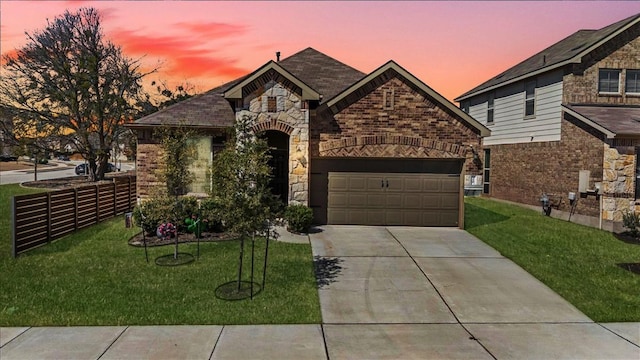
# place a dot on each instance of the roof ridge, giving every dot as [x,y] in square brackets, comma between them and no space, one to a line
[569,47]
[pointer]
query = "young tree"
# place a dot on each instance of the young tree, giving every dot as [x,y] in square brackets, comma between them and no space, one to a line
[177,154]
[74,80]
[240,177]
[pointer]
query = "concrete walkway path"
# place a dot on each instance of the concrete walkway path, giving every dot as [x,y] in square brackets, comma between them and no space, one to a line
[385,293]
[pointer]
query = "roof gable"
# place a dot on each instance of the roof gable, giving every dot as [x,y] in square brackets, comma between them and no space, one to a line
[387,71]
[270,70]
[568,50]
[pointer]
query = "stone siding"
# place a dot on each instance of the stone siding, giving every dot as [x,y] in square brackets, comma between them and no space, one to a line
[290,117]
[410,125]
[523,172]
[581,85]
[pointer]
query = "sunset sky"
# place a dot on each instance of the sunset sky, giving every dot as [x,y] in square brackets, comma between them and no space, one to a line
[451,46]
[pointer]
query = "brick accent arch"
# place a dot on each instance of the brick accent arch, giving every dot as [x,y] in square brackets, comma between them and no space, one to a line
[272,124]
[400,143]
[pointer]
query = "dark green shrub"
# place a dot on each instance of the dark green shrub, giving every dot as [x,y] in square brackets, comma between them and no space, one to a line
[210,214]
[299,218]
[184,209]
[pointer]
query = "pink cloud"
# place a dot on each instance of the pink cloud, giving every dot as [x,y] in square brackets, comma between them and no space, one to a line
[213,30]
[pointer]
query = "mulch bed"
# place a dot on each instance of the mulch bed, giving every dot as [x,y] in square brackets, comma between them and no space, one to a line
[628,238]
[137,240]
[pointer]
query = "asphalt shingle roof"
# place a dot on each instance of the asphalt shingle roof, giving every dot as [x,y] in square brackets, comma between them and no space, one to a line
[322,73]
[619,119]
[559,52]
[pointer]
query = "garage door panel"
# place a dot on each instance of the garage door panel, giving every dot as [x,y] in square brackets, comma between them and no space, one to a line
[431,201]
[339,183]
[430,184]
[410,199]
[339,199]
[449,202]
[393,200]
[413,184]
[375,217]
[451,184]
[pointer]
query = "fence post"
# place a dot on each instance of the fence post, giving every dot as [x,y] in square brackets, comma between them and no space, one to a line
[49,217]
[97,203]
[14,247]
[75,208]
[115,196]
[129,192]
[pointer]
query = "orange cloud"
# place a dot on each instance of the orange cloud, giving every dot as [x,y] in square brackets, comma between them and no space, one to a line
[9,54]
[197,66]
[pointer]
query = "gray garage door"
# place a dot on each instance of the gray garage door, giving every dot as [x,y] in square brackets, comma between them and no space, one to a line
[393,199]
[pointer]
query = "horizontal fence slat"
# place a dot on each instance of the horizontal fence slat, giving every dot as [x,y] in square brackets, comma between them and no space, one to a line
[42,217]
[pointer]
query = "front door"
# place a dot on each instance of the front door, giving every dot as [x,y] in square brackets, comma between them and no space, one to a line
[279,150]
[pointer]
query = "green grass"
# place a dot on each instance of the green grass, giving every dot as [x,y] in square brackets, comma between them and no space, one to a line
[93,277]
[576,261]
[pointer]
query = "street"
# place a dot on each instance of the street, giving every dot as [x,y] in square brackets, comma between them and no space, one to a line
[63,169]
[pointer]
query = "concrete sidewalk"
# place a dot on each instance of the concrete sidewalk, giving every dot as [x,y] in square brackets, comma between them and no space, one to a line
[386,293]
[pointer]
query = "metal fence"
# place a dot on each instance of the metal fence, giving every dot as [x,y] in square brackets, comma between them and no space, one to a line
[40,218]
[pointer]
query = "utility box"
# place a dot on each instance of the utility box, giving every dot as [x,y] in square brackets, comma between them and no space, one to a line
[583,181]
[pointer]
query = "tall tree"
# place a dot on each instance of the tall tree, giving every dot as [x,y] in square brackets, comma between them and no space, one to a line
[71,78]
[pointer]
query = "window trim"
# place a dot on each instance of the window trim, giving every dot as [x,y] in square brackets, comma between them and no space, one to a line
[491,108]
[619,72]
[486,170]
[528,99]
[626,79]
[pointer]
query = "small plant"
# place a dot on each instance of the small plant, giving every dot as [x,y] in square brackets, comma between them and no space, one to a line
[631,221]
[299,218]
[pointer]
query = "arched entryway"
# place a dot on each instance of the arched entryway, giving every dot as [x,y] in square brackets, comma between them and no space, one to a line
[279,150]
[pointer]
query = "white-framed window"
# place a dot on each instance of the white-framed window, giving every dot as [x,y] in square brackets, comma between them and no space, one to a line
[609,81]
[490,107]
[632,82]
[486,185]
[530,98]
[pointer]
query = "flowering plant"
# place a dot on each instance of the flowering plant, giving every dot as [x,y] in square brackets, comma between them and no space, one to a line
[166,230]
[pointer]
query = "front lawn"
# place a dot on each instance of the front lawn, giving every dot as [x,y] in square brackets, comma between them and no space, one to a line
[93,277]
[578,262]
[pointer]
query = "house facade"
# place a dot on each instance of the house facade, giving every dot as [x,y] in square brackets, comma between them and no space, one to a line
[381,148]
[565,123]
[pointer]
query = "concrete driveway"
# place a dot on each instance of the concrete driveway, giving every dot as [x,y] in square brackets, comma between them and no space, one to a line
[385,293]
[402,293]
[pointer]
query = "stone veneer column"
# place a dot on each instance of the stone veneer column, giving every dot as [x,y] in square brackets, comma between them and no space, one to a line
[289,112]
[618,184]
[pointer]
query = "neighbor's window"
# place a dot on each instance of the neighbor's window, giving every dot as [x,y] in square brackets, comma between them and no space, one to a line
[609,81]
[272,104]
[490,108]
[632,82]
[487,170]
[530,98]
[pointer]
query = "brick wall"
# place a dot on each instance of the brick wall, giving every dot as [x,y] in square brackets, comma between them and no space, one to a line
[522,172]
[581,86]
[415,126]
[147,162]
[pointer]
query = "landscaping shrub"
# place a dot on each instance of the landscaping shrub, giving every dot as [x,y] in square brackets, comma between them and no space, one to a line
[152,213]
[299,218]
[210,214]
[631,221]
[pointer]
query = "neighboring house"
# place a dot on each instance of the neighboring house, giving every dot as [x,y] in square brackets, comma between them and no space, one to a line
[567,120]
[380,148]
